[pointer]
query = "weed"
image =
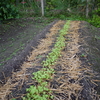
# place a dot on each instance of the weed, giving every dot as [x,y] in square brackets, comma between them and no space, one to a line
[22,25]
[82,55]
[39,56]
[11,45]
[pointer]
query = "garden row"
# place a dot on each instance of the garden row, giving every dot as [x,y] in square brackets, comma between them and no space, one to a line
[42,91]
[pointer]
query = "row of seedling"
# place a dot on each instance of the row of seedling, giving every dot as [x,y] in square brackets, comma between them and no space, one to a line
[42,91]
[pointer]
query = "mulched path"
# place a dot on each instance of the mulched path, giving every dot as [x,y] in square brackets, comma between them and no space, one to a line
[75,77]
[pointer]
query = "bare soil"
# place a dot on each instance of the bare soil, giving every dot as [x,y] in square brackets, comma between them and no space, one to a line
[76,71]
[16,34]
[16,39]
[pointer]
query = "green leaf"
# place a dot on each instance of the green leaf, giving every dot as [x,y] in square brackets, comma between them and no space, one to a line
[13,99]
[51,97]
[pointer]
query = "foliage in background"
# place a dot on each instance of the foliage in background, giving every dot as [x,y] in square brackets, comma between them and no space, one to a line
[7,10]
[95,20]
[88,10]
[29,8]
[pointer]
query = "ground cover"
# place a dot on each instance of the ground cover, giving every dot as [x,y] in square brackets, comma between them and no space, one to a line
[74,76]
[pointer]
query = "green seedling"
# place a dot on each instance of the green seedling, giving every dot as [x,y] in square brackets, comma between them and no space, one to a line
[40,92]
[13,99]
[82,55]
[11,45]
[1,64]
[42,75]
[34,33]
[39,56]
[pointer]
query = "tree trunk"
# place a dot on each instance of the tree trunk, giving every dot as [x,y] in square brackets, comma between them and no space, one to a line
[42,7]
[87,8]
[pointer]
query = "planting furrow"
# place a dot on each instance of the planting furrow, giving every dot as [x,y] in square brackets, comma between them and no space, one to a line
[22,79]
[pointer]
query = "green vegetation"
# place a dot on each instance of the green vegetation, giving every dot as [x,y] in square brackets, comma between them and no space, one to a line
[95,20]
[82,55]
[88,10]
[42,91]
[7,10]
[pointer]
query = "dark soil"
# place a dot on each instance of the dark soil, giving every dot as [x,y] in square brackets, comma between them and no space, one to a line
[16,40]
[90,47]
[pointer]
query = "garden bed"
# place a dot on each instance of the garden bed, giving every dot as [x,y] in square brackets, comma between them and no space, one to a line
[75,70]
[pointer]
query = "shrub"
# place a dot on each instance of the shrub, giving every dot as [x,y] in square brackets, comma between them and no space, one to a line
[7,10]
[95,20]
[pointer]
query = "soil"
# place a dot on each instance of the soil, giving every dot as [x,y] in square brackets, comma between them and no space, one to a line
[16,40]
[76,71]
[90,46]
[15,34]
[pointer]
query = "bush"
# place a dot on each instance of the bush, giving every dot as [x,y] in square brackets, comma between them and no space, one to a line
[95,20]
[7,10]
[97,11]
